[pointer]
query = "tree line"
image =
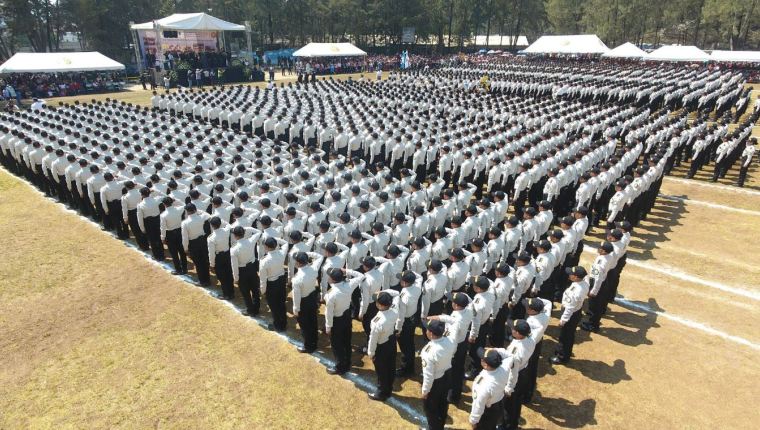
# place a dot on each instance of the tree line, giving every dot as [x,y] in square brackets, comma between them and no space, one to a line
[441,25]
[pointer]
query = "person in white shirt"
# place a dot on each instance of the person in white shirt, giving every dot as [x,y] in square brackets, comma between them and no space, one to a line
[194,230]
[457,328]
[338,316]
[746,159]
[129,202]
[434,290]
[488,389]
[406,301]
[520,349]
[598,290]
[148,220]
[373,283]
[482,306]
[110,199]
[171,234]
[306,297]
[436,359]
[572,302]
[218,243]
[245,269]
[272,281]
[381,347]
[502,287]
[539,313]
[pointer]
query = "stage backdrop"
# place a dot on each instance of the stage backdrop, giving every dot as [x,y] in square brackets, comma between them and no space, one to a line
[195,40]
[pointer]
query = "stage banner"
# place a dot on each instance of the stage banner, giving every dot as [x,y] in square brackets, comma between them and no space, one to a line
[191,40]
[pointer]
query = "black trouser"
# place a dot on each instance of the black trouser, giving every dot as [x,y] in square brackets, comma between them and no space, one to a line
[385,363]
[435,405]
[457,370]
[696,164]
[498,329]
[134,225]
[307,320]
[356,299]
[490,417]
[567,336]
[100,215]
[63,190]
[480,342]
[224,273]
[176,250]
[519,203]
[248,282]
[597,304]
[198,250]
[742,175]
[153,236]
[518,310]
[406,345]
[276,295]
[436,307]
[117,218]
[513,403]
[86,208]
[532,373]
[340,341]
[615,282]
[367,318]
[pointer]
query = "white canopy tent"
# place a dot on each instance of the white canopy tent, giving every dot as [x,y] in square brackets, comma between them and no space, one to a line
[329,50]
[736,56]
[678,53]
[51,62]
[626,50]
[501,40]
[570,44]
[190,22]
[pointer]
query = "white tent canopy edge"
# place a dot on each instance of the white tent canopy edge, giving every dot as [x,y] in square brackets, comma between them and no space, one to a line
[50,62]
[329,50]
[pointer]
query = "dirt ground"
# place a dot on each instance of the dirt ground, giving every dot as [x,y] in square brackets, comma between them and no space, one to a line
[93,335]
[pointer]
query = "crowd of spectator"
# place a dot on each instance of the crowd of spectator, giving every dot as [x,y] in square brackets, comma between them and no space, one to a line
[40,85]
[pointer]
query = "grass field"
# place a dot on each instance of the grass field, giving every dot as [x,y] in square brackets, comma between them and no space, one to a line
[93,335]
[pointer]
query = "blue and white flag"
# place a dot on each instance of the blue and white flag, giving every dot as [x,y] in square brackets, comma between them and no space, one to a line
[404,60]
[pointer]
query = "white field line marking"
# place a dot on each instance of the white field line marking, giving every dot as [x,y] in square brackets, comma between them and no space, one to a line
[711,185]
[687,322]
[711,205]
[675,273]
[321,357]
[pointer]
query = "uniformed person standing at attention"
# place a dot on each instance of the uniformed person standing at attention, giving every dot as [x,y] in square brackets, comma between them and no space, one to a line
[381,348]
[521,348]
[171,234]
[218,243]
[572,302]
[598,287]
[482,306]
[244,271]
[411,290]
[148,220]
[488,390]
[457,327]
[272,281]
[539,313]
[306,297]
[436,361]
[338,316]
[194,230]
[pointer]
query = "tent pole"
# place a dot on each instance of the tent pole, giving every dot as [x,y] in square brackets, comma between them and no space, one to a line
[248,40]
[138,57]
